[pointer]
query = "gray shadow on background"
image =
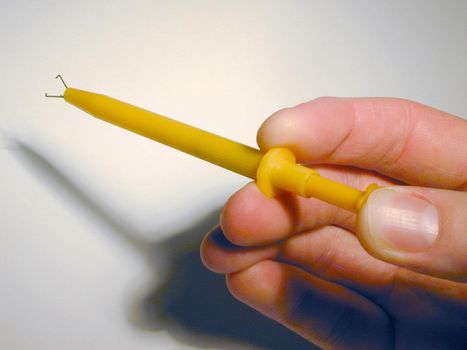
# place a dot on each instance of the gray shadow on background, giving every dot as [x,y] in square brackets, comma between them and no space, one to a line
[192,303]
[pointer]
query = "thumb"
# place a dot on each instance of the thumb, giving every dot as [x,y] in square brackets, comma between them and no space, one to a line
[421,229]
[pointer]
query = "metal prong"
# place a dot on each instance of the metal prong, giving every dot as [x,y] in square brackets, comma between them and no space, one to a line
[63,81]
[64,84]
[47,95]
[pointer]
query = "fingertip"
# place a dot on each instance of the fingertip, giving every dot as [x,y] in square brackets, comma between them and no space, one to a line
[235,221]
[420,229]
[250,218]
[261,286]
[304,128]
[209,253]
[270,130]
[221,256]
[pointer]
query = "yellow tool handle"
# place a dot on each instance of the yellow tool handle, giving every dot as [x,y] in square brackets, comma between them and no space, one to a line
[273,171]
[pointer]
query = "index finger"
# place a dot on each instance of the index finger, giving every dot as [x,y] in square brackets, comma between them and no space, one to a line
[399,138]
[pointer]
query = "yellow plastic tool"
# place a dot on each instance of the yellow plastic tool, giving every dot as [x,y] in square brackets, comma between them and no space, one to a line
[273,171]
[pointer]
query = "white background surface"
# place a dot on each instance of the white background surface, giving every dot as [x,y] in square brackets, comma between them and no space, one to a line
[98,227]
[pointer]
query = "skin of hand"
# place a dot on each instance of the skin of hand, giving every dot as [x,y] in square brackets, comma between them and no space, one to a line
[392,277]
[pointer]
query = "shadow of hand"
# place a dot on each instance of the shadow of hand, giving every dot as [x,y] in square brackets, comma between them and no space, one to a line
[192,304]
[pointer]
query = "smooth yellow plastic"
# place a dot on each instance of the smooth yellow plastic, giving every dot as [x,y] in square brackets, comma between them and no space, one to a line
[274,171]
[215,149]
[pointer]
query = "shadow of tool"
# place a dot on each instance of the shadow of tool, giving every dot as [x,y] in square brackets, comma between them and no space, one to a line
[191,303]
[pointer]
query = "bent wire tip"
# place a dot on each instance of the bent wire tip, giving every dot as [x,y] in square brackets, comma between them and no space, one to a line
[64,84]
[63,81]
[47,95]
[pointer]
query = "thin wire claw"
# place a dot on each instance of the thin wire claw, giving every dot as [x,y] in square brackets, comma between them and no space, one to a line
[47,95]
[63,81]
[64,84]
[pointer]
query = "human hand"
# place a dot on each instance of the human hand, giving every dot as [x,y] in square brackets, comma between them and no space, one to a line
[393,278]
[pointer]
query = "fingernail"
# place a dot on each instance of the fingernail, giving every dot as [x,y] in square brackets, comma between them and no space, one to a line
[401,221]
